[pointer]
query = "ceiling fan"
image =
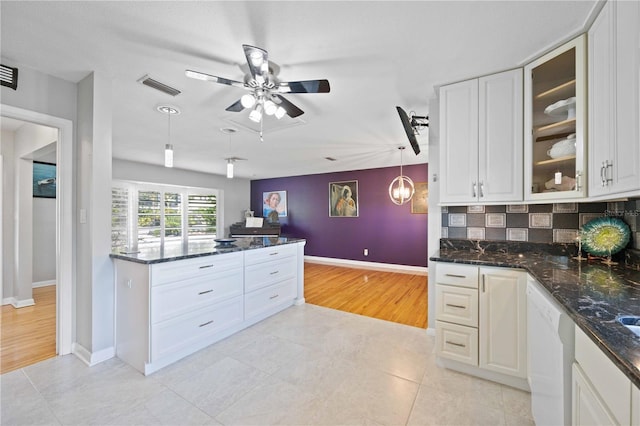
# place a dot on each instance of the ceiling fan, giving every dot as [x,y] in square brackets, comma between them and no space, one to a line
[265,90]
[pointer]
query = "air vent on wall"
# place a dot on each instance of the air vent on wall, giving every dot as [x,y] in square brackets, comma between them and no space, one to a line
[148,81]
[9,76]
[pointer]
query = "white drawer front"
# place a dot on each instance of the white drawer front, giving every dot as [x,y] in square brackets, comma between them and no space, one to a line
[252,257]
[457,304]
[457,342]
[264,274]
[267,298]
[178,333]
[456,274]
[185,296]
[162,273]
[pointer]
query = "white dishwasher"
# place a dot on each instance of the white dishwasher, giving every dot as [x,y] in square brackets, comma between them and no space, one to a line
[550,335]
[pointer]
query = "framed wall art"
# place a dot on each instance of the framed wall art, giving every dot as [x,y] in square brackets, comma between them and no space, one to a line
[44,180]
[343,199]
[274,205]
[420,198]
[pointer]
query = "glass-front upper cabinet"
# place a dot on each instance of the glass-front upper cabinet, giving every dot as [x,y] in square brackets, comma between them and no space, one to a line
[555,112]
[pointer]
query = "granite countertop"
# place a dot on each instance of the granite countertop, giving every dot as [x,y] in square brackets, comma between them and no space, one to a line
[169,253]
[593,294]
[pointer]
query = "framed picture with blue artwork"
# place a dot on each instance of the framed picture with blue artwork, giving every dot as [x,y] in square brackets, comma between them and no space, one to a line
[44,180]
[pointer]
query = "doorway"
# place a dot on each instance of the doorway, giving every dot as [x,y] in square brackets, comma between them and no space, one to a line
[63,223]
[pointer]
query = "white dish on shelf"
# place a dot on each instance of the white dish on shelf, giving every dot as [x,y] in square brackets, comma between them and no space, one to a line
[564,147]
[565,107]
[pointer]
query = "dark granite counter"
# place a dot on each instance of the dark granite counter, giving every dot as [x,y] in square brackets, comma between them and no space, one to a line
[592,293]
[170,253]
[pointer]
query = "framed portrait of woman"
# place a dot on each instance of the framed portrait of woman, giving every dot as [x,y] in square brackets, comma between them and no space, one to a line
[343,199]
[274,205]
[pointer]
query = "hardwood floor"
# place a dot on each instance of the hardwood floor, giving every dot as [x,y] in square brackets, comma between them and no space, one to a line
[29,333]
[390,296]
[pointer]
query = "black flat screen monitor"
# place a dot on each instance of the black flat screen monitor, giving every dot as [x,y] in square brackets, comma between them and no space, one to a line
[408,130]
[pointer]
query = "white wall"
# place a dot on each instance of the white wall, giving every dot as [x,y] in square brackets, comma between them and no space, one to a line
[435,216]
[44,240]
[8,182]
[235,193]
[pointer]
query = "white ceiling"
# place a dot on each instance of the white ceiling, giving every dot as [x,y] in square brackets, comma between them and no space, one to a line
[376,55]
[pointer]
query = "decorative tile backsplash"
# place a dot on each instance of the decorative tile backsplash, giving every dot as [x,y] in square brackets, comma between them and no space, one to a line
[539,223]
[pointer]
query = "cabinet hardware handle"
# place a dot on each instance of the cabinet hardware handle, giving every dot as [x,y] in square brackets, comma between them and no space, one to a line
[578,181]
[481,189]
[273,297]
[206,266]
[473,189]
[483,283]
[206,291]
[273,273]
[609,166]
[456,306]
[460,345]
[455,276]
[603,180]
[206,323]
[273,254]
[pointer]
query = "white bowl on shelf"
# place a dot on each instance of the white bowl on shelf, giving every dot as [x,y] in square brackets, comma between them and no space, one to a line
[564,108]
[564,147]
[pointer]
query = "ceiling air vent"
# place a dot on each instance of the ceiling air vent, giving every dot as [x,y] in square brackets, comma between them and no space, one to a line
[148,81]
[9,76]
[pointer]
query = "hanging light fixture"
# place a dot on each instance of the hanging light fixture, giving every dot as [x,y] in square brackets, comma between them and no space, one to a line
[230,162]
[168,148]
[401,189]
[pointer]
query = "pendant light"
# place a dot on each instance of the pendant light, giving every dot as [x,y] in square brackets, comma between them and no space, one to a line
[401,189]
[168,148]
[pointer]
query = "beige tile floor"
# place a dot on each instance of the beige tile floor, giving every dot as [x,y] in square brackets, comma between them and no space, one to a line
[307,365]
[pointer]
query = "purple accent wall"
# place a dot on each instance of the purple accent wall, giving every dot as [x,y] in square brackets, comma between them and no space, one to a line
[391,233]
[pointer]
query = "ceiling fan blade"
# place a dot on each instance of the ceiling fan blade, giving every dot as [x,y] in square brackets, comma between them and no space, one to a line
[236,107]
[258,61]
[308,86]
[292,110]
[207,77]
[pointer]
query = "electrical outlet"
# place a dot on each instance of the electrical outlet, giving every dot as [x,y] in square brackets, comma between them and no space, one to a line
[366,252]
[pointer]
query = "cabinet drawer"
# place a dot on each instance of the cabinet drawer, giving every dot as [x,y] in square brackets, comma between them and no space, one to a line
[457,304]
[612,386]
[184,296]
[162,273]
[457,342]
[265,299]
[264,274]
[456,274]
[252,257]
[180,332]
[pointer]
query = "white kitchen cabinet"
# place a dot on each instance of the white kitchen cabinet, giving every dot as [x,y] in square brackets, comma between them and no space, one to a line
[503,321]
[555,105]
[481,321]
[614,128]
[166,311]
[481,134]
[601,392]
[635,406]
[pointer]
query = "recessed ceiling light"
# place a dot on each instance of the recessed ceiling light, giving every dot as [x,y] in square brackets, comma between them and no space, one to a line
[168,109]
[330,158]
[228,130]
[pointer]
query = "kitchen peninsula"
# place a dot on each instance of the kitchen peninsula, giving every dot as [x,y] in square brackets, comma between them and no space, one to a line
[172,301]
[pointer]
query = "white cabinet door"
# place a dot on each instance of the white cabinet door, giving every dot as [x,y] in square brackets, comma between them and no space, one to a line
[503,321]
[635,406]
[500,170]
[459,136]
[614,128]
[588,409]
[601,120]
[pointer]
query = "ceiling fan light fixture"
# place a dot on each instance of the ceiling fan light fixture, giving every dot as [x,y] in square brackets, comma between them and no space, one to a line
[248,100]
[256,114]
[270,107]
[256,58]
[280,112]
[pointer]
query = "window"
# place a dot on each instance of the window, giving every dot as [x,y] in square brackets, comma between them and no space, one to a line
[152,215]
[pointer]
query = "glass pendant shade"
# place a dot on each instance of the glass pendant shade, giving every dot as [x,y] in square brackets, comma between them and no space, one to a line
[230,169]
[401,190]
[168,155]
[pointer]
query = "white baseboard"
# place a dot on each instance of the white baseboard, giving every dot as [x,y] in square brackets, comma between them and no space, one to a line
[431,331]
[92,358]
[18,303]
[386,267]
[43,283]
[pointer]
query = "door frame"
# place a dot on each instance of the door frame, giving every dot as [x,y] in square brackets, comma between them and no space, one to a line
[64,220]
